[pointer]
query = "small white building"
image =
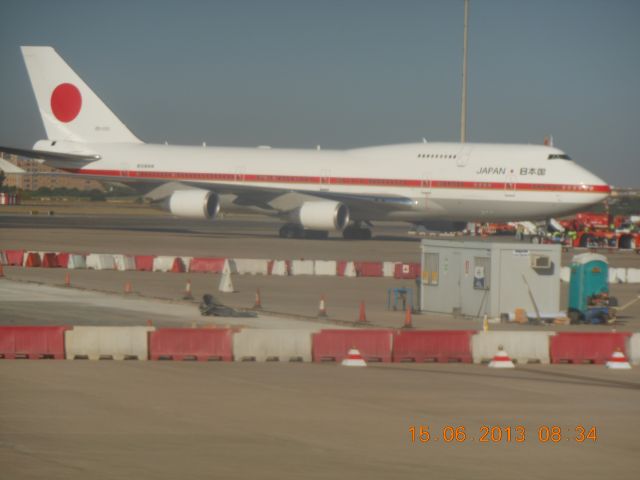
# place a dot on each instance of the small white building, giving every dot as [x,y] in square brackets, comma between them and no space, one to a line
[474,278]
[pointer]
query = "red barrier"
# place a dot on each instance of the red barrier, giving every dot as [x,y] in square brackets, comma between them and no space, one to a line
[49,260]
[369,269]
[32,342]
[433,346]
[14,257]
[586,347]
[333,345]
[407,271]
[341,266]
[211,265]
[191,344]
[32,260]
[63,259]
[144,263]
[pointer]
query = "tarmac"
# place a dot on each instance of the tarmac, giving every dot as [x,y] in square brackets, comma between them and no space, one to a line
[129,419]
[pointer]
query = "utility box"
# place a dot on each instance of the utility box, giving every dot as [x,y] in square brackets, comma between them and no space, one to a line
[489,278]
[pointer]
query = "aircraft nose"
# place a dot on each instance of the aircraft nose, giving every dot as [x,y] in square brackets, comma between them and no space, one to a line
[597,188]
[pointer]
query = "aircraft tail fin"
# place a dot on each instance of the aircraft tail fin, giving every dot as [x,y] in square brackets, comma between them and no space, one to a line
[70,110]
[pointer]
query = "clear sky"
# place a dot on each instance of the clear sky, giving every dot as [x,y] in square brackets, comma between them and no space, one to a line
[297,73]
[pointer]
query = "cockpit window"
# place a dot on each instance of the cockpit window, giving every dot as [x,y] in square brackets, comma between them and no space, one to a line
[559,156]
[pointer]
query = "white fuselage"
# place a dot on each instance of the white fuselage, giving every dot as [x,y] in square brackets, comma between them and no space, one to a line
[451,181]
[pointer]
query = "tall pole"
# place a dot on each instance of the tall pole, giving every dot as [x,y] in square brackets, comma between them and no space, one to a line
[463,113]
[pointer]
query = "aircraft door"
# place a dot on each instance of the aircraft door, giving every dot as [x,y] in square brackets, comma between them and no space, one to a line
[463,156]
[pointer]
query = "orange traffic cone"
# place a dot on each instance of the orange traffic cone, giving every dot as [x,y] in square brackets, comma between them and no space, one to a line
[322,308]
[408,322]
[187,291]
[354,359]
[618,361]
[257,304]
[501,360]
[67,279]
[362,318]
[127,287]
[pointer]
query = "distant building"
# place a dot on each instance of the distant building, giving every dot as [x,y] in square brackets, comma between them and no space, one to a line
[34,181]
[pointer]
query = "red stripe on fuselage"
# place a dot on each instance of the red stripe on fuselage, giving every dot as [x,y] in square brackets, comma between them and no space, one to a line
[314,180]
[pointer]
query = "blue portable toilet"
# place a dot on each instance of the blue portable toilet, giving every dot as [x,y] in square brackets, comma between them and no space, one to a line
[589,278]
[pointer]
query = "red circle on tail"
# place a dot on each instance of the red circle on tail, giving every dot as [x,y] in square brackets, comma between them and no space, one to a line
[66,102]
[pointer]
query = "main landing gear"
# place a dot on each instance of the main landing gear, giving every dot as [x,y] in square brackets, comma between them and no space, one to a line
[293,230]
[351,232]
[356,232]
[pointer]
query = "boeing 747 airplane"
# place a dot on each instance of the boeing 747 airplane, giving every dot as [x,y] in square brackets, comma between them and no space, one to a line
[313,191]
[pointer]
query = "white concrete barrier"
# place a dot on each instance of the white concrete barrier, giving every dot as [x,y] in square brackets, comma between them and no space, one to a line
[271,345]
[325,267]
[634,349]
[565,274]
[388,269]
[117,343]
[613,275]
[249,266]
[100,261]
[76,261]
[124,262]
[280,268]
[163,263]
[186,261]
[302,267]
[621,275]
[522,347]
[633,275]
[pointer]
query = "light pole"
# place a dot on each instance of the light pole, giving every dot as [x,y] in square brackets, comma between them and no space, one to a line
[463,113]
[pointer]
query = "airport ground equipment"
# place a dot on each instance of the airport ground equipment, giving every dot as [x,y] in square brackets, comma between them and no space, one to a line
[474,279]
[589,300]
[209,306]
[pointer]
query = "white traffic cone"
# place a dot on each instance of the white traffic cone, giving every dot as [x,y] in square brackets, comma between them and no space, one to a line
[501,360]
[354,359]
[618,361]
[226,286]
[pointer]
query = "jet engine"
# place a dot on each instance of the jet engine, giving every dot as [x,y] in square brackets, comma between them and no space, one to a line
[323,215]
[194,203]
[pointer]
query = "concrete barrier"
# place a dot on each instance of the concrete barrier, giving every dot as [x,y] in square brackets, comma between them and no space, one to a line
[621,275]
[100,261]
[633,275]
[325,267]
[3,258]
[634,349]
[272,345]
[249,266]
[124,262]
[613,275]
[302,267]
[75,261]
[206,265]
[279,268]
[117,343]
[565,275]
[522,347]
